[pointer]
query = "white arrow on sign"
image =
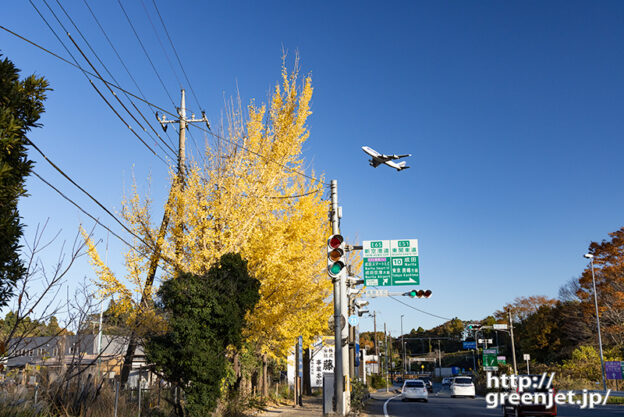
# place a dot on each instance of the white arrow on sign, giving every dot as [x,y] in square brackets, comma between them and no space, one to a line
[408,281]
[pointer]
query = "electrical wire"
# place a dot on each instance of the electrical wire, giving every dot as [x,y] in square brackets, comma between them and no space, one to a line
[85,74]
[177,56]
[60,171]
[145,51]
[115,80]
[298,195]
[123,63]
[175,74]
[111,106]
[417,309]
[131,246]
[210,132]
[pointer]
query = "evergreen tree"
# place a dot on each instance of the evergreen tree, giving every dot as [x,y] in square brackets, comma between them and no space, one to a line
[205,315]
[21,105]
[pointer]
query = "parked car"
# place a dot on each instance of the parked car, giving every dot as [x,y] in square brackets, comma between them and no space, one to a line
[534,409]
[446,381]
[462,386]
[414,389]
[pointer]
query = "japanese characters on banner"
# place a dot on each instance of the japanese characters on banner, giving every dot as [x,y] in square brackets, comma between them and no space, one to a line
[321,361]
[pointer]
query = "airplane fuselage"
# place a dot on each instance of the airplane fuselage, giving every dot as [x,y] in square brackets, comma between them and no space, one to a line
[378,159]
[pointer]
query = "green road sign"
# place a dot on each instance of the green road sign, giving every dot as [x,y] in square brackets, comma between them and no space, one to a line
[390,262]
[490,362]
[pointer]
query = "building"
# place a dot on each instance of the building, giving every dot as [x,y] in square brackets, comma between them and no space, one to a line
[59,353]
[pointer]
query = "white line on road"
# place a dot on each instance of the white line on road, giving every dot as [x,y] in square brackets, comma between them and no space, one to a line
[385,407]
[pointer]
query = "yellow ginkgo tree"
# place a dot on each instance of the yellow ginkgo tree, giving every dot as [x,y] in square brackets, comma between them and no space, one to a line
[248,195]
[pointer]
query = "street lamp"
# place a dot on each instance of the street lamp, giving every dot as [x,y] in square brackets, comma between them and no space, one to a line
[604,379]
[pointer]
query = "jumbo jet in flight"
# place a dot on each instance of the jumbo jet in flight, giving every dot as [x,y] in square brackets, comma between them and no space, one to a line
[378,159]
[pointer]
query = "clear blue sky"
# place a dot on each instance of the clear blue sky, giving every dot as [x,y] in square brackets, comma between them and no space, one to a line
[513,112]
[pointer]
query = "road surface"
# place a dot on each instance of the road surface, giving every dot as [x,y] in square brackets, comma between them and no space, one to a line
[442,405]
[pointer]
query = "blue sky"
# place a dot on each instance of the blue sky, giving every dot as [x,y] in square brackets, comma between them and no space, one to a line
[512,111]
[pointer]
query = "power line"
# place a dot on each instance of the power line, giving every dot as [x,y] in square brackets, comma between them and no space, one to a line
[84,72]
[417,309]
[199,153]
[131,246]
[145,51]
[112,108]
[110,43]
[115,80]
[60,171]
[297,196]
[161,45]
[210,132]
[266,158]
[176,54]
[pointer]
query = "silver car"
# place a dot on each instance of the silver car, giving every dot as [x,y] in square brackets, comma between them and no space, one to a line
[414,389]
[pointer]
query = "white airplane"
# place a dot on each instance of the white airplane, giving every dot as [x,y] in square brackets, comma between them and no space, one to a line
[378,159]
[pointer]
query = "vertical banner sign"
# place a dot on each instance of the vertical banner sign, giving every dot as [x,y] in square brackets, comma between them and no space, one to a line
[390,262]
[321,362]
[300,358]
[613,369]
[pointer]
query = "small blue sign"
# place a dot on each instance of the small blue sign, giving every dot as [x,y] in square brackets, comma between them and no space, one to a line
[357,354]
[455,370]
[353,320]
[470,345]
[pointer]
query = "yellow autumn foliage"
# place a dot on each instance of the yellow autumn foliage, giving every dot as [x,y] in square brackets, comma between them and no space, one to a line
[247,196]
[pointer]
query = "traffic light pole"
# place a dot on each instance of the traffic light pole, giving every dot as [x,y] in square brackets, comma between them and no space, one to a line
[339,385]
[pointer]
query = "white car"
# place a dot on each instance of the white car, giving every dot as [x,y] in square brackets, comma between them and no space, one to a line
[447,380]
[462,386]
[414,389]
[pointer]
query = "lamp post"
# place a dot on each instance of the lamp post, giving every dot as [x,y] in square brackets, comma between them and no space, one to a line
[602,368]
[403,346]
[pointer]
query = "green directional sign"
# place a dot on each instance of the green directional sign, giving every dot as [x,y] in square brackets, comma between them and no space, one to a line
[390,262]
[490,361]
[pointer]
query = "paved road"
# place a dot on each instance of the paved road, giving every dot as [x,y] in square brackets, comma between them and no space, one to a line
[442,405]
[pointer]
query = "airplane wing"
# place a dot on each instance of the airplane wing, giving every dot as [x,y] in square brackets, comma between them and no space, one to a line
[391,157]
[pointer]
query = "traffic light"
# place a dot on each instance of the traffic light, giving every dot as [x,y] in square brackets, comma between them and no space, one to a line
[473,326]
[335,255]
[419,293]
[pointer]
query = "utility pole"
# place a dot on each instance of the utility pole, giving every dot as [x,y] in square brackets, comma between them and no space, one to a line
[439,359]
[182,125]
[513,345]
[602,367]
[351,344]
[375,339]
[344,312]
[387,363]
[403,346]
[339,381]
[155,257]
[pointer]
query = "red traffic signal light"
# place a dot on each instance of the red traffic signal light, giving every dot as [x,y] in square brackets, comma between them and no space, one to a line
[335,255]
